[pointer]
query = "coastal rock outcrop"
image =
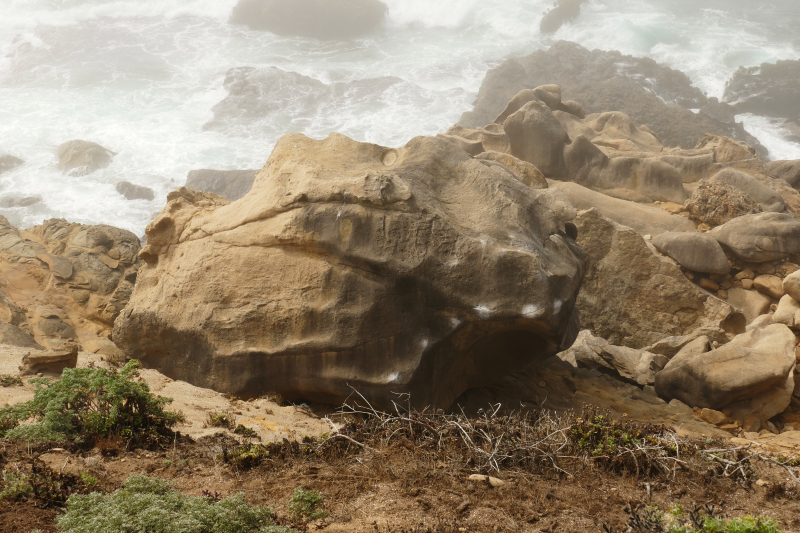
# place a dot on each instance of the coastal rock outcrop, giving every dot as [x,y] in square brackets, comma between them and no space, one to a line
[131,191]
[565,11]
[230,184]
[354,266]
[631,297]
[771,89]
[788,171]
[79,158]
[647,92]
[320,19]
[9,162]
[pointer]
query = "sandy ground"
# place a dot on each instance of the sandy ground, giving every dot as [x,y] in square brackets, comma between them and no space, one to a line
[269,420]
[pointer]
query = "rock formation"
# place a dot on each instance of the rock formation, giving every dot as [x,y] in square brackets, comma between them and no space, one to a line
[417,270]
[771,89]
[319,19]
[230,184]
[565,11]
[9,162]
[131,191]
[79,158]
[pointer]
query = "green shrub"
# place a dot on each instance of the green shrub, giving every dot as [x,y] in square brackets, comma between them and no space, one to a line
[747,524]
[87,403]
[146,504]
[245,457]
[307,505]
[221,420]
[16,485]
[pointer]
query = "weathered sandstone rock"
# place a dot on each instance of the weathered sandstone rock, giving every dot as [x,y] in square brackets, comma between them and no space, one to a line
[230,184]
[788,171]
[492,137]
[645,220]
[632,298]
[788,312]
[761,237]
[751,364]
[769,200]
[751,303]
[716,203]
[697,252]
[415,270]
[791,285]
[527,173]
[769,285]
[536,136]
[79,158]
[131,191]
[9,162]
[51,362]
[13,335]
[320,19]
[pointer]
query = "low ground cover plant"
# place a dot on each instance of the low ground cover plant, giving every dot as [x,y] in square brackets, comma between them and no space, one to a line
[149,504]
[90,403]
[307,505]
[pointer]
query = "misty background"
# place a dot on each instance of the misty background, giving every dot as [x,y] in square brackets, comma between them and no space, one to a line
[142,78]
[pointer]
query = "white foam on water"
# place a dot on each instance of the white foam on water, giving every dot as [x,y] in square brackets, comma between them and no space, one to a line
[771,135]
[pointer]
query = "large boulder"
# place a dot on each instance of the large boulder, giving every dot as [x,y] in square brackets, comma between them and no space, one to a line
[601,81]
[716,203]
[768,199]
[771,89]
[632,298]
[131,191]
[697,252]
[761,237]
[644,219]
[79,158]
[320,19]
[536,136]
[753,363]
[230,184]
[9,162]
[353,266]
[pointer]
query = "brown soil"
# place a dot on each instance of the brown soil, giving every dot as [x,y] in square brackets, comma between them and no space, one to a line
[403,488]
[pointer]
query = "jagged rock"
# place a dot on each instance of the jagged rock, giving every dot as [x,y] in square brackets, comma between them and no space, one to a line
[761,237]
[72,279]
[751,303]
[9,162]
[565,11]
[132,191]
[79,158]
[697,252]
[788,171]
[51,362]
[719,110]
[716,203]
[527,173]
[319,19]
[632,298]
[318,280]
[602,81]
[632,365]
[771,89]
[751,364]
[536,136]
[768,199]
[230,184]
[645,220]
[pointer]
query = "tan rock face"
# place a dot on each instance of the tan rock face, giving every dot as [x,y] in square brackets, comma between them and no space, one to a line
[632,298]
[415,270]
[65,282]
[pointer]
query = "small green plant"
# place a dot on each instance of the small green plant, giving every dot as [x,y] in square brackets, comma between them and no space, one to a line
[16,485]
[307,505]
[221,420]
[88,403]
[167,463]
[7,380]
[149,504]
[88,479]
[245,432]
[245,457]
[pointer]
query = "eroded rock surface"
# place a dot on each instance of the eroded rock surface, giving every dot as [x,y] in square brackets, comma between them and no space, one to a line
[230,184]
[347,265]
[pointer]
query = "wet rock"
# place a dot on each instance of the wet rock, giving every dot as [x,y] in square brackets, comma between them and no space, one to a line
[771,89]
[632,298]
[132,191]
[565,11]
[751,364]
[319,19]
[230,184]
[716,203]
[79,158]
[761,237]
[602,81]
[697,252]
[316,281]
[768,199]
[9,162]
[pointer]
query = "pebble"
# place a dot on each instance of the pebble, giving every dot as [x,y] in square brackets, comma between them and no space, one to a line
[493,481]
[747,284]
[709,285]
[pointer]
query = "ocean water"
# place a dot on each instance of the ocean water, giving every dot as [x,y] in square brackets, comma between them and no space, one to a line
[142,78]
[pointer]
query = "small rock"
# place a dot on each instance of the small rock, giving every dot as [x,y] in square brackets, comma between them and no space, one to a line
[761,483]
[493,481]
[766,269]
[712,417]
[709,285]
[769,285]
[747,284]
[131,191]
[745,274]
[50,361]
[791,285]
